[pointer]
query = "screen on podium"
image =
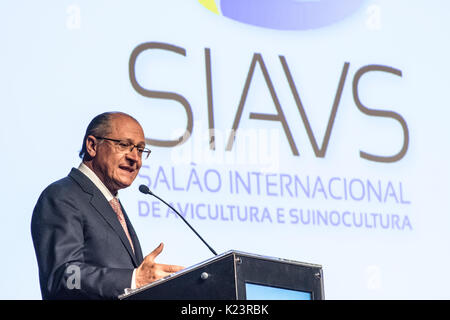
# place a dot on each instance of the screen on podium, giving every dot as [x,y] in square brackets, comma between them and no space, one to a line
[263,292]
[310,130]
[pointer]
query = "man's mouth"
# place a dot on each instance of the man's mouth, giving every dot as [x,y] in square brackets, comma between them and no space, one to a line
[127,168]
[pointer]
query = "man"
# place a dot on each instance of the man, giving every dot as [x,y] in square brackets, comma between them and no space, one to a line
[85,245]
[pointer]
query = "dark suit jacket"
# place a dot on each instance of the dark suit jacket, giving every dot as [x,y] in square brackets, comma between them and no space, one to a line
[81,248]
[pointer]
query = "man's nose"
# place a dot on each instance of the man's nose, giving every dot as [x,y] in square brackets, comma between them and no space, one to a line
[133,155]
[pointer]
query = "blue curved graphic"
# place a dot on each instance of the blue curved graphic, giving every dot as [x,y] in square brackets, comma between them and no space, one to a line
[287,14]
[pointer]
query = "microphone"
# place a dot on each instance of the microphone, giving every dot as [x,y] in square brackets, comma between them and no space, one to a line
[144,189]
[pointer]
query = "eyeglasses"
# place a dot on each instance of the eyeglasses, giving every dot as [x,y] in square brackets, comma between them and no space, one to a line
[125,146]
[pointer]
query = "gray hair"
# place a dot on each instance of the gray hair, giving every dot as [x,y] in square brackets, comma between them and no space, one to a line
[99,126]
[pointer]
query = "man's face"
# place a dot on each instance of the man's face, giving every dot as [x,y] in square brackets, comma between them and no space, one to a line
[118,169]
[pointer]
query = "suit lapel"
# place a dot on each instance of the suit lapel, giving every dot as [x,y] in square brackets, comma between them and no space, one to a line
[102,206]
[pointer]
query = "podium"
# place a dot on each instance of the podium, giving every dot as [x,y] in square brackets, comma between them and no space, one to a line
[236,275]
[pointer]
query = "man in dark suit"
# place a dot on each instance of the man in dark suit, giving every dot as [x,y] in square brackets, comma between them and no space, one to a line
[85,245]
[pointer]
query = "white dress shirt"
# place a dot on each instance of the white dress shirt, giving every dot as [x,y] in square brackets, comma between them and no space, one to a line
[108,195]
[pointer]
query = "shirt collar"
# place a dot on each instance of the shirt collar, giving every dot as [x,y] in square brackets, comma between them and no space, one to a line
[96,180]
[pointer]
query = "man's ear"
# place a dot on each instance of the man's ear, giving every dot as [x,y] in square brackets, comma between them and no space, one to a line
[91,146]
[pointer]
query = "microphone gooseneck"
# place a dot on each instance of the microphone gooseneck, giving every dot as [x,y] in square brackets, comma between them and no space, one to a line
[144,189]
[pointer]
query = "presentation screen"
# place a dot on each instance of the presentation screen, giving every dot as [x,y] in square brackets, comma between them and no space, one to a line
[263,292]
[309,130]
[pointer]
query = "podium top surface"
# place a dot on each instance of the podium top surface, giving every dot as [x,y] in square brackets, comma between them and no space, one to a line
[129,292]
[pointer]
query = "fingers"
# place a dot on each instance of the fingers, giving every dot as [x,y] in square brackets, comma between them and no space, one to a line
[150,271]
[169,268]
[156,252]
[162,271]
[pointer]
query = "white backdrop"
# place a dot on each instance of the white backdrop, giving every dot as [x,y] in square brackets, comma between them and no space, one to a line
[379,229]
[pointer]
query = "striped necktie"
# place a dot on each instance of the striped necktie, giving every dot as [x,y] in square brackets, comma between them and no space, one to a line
[118,210]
